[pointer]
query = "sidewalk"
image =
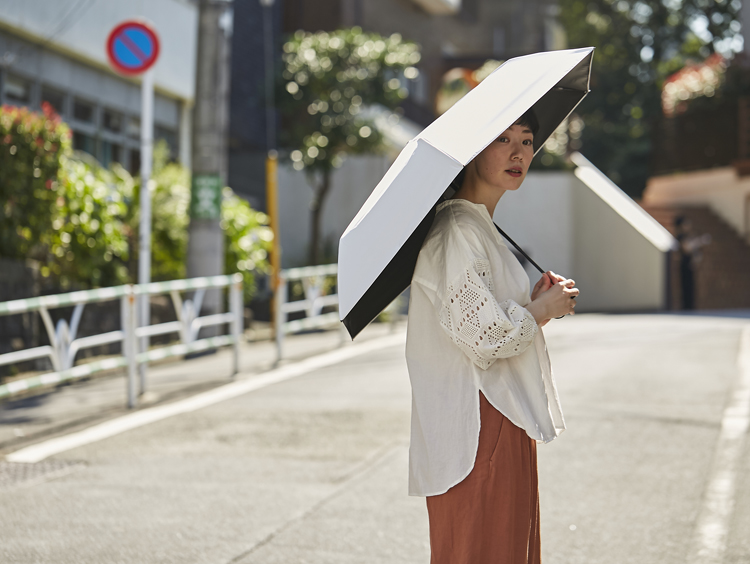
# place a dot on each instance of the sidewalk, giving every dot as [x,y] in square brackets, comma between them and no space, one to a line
[68,407]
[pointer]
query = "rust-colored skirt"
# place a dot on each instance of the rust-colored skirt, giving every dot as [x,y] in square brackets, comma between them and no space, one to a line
[492,516]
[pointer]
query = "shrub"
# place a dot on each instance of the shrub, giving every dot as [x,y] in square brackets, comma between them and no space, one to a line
[81,220]
[88,243]
[247,240]
[31,146]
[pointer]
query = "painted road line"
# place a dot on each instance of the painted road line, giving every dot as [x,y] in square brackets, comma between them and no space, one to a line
[712,529]
[40,451]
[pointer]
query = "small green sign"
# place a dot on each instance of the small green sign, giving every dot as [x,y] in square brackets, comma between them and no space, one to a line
[205,197]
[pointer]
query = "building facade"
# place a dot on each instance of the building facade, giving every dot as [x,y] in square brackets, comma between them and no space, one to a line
[55,52]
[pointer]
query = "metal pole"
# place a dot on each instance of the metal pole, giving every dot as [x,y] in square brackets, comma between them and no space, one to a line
[279,301]
[128,315]
[272,207]
[144,247]
[235,304]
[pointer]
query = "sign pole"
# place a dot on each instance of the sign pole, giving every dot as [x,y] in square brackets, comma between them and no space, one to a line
[144,240]
[132,49]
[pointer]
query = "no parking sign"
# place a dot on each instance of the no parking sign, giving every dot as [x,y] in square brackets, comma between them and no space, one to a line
[132,47]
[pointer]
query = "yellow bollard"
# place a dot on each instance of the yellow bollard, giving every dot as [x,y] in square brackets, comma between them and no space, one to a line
[272,209]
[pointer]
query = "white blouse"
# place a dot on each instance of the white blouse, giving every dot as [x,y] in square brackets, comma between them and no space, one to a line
[468,331]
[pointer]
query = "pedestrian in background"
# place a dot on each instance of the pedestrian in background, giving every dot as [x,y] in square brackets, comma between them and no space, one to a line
[690,257]
[482,385]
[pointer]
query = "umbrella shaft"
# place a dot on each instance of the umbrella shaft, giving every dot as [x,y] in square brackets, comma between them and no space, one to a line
[520,250]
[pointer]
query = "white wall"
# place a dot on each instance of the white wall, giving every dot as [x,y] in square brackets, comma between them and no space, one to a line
[538,217]
[351,185]
[569,229]
[562,223]
[85,37]
[614,265]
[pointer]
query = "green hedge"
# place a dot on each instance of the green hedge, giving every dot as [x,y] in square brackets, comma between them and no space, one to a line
[31,146]
[80,220]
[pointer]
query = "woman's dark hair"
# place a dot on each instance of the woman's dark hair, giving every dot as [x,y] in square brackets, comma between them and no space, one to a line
[528,119]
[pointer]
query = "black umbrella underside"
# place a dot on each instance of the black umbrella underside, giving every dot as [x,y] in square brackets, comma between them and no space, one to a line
[394,279]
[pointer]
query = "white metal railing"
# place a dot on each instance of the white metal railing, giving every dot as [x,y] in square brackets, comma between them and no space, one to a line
[65,345]
[313,280]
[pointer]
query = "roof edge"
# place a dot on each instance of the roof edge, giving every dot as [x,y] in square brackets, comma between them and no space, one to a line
[622,204]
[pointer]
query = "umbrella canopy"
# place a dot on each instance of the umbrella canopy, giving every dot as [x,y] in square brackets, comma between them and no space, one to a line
[379,249]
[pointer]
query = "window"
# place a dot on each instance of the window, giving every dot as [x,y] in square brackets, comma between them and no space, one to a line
[111,153]
[418,89]
[135,162]
[112,121]
[83,142]
[54,98]
[17,90]
[498,42]
[134,128]
[169,136]
[83,111]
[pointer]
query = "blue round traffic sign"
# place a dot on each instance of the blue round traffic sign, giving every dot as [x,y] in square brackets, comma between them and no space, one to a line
[132,47]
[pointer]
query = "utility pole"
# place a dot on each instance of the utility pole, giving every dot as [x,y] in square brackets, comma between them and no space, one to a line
[209,145]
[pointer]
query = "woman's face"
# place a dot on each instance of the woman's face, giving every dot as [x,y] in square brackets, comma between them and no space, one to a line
[504,163]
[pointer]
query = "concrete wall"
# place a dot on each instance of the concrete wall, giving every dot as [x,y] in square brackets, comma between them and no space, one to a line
[83,33]
[351,185]
[539,218]
[563,224]
[727,194]
[615,266]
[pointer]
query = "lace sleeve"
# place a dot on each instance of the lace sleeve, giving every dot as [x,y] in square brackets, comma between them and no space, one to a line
[481,327]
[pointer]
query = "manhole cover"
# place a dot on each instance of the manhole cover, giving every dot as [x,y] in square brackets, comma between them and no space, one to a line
[15,474]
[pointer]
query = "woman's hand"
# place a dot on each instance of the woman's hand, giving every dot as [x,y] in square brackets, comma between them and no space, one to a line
[552,299]
[545,283]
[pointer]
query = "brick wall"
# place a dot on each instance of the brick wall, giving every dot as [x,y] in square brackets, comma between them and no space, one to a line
[723,271]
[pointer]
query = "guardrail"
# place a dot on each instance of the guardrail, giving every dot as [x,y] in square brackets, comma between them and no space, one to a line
[65,345]
[313,280]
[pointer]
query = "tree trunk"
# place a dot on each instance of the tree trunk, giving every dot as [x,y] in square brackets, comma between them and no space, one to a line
[316,208]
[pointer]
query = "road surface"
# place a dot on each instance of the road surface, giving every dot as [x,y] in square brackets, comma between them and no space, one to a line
[312,467]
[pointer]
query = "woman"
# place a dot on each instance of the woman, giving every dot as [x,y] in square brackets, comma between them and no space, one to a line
[482,386]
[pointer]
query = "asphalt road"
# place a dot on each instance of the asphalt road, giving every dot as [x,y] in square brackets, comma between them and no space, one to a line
[313,469]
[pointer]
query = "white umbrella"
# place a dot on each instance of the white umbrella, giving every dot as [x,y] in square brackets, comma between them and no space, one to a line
[379,249]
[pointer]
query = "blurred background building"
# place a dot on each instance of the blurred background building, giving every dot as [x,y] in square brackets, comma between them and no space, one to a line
[452,34]
[54,52]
